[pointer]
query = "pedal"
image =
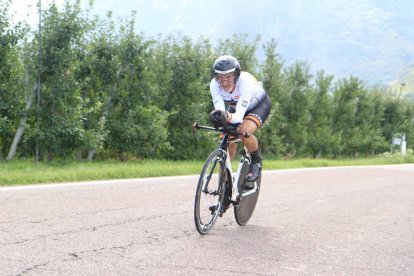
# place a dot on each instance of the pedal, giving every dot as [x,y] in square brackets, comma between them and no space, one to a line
[222,212]
[212,208]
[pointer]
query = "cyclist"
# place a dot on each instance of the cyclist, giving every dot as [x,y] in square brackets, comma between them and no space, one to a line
[249,106]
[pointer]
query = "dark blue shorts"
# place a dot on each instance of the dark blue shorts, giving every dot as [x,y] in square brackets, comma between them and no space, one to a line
[258,114]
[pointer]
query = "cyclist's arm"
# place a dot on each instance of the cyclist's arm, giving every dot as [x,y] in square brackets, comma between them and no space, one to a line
[246,92]
[218,101]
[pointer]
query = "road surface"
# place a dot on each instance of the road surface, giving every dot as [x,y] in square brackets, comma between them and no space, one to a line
[327,221]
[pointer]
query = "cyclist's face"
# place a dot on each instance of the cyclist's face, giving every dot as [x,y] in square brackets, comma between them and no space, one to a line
[226,81]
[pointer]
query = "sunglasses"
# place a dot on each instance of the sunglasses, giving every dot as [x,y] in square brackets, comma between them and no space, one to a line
[228,77]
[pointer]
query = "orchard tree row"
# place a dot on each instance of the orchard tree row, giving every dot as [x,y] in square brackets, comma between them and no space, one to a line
[96,89]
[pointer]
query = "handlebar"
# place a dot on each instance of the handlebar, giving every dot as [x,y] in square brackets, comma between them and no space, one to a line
[219,129]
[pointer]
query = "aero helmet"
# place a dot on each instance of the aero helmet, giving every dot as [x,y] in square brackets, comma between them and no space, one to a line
[227,64]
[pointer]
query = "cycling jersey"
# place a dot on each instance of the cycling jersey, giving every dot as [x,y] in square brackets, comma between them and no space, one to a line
[248,93]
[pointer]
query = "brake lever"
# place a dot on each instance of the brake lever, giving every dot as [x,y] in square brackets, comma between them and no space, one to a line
[235,132]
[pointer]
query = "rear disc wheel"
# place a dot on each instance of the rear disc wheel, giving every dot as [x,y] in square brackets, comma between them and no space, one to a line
[244,210]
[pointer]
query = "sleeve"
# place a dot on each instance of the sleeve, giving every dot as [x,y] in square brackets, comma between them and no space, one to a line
[218,101]
[246,92]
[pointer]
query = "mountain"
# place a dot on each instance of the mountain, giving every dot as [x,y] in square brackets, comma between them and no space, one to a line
[405,82]
[369,39]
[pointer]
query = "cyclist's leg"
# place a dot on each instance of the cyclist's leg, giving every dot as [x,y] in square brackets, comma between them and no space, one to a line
[232,150]
[251,142]
[253,120]
[252,146]
[232,147]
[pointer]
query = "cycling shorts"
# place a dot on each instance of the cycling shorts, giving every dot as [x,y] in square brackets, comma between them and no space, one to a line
[257,114]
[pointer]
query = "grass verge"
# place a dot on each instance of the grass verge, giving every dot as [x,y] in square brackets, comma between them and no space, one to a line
[23,172]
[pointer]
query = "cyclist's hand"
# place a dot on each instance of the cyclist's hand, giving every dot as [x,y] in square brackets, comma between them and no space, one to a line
[218,118]
[234,128]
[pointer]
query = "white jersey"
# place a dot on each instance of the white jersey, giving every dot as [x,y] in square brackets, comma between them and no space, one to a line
[247,94]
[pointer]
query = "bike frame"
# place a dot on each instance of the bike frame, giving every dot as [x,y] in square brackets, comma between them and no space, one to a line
[236,195]
[235,177]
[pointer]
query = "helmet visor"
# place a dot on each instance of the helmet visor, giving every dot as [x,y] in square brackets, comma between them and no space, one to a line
[228,77]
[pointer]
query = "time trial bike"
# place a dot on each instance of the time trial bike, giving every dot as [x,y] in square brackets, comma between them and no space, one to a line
[219,188]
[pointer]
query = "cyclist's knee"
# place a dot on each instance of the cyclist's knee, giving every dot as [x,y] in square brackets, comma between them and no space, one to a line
[247,126]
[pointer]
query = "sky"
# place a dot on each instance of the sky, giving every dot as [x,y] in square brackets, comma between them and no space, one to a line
[153,16]
[165,23]
[27,10]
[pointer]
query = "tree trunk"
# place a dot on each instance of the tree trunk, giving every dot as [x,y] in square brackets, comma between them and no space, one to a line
[49,155]
[20,128]
[17,137]
[91,154]
[78,154]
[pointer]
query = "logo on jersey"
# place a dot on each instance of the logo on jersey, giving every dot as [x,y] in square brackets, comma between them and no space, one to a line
[244,103]
[231,102]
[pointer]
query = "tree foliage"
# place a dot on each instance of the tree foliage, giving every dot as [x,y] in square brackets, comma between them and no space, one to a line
[12,88]
[319,125]
[109,92]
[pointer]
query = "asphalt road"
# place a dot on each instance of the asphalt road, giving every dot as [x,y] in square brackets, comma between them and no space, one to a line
[331,221]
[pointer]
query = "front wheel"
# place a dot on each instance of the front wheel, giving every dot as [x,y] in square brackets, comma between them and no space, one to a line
[210,192]
[244,210]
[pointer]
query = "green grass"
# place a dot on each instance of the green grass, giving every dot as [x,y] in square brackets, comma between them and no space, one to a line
[313,163]
[28,172]
[23,172]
